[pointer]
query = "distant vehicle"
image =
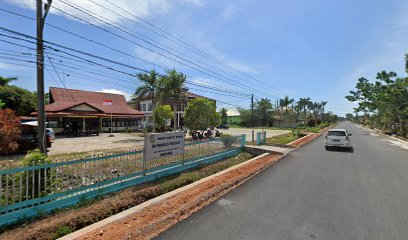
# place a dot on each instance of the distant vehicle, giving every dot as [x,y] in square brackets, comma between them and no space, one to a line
[28,139]
[223,126]
[337,138]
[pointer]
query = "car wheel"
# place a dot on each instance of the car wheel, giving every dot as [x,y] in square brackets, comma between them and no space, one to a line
[326,147]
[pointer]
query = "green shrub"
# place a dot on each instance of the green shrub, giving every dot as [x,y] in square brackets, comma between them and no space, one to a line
[318,121]
[40,181]
[311,122]
[63,230]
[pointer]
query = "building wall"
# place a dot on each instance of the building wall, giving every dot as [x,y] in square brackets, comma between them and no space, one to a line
[282,123]
[233,119]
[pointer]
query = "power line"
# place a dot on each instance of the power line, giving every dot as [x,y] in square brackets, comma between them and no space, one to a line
[185,43]
[98,43]
[101,58]
[221,77]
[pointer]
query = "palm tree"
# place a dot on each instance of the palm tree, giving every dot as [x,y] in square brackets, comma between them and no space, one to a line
[322,104]
[305,104]
[286,102]
[297,107]
[5,81]
[316,109]
[173,87]
[148,88]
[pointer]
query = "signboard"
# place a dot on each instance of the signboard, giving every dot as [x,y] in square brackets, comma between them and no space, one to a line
[159,145]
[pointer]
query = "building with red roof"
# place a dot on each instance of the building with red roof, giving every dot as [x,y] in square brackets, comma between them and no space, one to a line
[79,112]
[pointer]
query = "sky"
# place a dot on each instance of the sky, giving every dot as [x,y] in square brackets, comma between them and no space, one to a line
[269,48]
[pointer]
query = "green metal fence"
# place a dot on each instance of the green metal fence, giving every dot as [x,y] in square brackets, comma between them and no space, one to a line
[28,191]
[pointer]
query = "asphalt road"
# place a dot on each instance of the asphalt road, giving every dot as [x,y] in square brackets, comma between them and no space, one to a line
[314,194]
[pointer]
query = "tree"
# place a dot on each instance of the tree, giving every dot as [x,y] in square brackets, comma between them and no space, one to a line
[297,107]
[22,101]
[285,103]
[162,113]
[223,114]
[172,87]
[200,114]
[246,117]
[322,104]
[387,98]
[148,88]
[263,109]
[305,104]
[349,116]
[5,81]
[2,104]
[406,63]
[9,131]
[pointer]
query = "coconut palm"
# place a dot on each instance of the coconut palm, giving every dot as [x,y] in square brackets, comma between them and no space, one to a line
[285,103]
[148,89]
[172,87]
[5,81]
[305,104]
[322,104]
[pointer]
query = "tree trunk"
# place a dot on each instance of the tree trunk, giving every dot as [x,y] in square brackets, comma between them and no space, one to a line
[402,127]
[175,117]
[286,117]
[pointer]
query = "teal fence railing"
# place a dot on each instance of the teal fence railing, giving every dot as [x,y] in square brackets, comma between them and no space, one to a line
[28,191]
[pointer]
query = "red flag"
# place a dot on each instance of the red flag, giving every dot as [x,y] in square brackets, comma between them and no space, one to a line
[107,102]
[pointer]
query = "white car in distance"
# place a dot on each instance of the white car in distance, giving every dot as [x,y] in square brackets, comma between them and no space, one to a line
[337,138]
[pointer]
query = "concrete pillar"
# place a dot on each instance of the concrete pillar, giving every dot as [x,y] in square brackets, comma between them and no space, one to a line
[83,125]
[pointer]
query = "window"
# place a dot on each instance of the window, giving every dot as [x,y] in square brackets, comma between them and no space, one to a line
[149,107]
[143,107]
[336,133]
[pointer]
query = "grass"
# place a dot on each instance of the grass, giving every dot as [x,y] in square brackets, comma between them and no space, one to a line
[63,230]
[282,139]
[303,128]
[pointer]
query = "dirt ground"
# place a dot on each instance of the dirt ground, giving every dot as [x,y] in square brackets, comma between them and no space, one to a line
[155,219]
[103,141]
[63,145]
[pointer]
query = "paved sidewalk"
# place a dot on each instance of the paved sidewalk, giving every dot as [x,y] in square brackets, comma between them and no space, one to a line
[280,150]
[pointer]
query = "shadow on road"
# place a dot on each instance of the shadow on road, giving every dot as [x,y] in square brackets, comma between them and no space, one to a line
[340,149]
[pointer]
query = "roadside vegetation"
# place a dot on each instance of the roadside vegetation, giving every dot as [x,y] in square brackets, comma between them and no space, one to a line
[287,113]
[86,212]
[384,102]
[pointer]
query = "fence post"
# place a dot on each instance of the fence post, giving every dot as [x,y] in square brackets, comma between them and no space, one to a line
[243,140]
[264,138]
[258,138]
[144,154]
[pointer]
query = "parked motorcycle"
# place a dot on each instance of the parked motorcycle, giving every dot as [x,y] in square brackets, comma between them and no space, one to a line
[217,133]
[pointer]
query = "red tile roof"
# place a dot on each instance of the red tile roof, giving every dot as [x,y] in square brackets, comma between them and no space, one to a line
[62,99]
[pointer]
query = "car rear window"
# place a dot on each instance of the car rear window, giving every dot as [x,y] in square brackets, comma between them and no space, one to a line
[336,133]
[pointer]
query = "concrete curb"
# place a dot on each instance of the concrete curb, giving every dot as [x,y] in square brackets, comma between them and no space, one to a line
[133,210]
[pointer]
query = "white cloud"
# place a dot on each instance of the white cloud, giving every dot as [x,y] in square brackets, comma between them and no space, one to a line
[140,8]
[8,66]
[115,91]
[230,10]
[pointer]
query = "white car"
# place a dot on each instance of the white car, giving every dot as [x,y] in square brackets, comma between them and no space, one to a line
[337,138]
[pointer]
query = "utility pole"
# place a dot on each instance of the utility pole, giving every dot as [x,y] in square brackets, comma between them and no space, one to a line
[40,74]
[252,118]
